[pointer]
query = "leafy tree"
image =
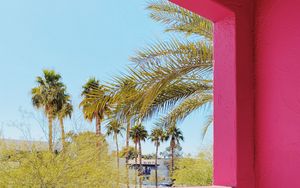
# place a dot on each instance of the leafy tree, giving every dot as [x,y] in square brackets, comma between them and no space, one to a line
[157,136]
[177,152]
[80,165]
[149,156]
[175,136]
[95,103]
[47,95]
[194,171]
[129,152]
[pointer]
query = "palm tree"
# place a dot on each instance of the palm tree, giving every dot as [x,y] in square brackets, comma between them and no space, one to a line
[138,133]
[174,77]
[95,107]
[175,135]
[123,96]
[157,136]
[47,95]
[115,128]
[65,111]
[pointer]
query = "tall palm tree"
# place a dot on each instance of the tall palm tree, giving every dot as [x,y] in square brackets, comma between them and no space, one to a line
[175,76]
[65,111]
[138,133]
[115,128]
[175,136]
[95,103]
[47,95]
[123,95]
[157,136]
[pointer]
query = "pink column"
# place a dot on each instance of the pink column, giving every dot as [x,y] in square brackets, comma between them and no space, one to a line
[233,88]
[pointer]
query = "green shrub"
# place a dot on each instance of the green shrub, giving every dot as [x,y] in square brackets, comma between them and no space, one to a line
[85,162]
[194,171]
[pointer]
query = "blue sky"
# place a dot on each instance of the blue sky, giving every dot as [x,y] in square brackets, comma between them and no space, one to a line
[78,39]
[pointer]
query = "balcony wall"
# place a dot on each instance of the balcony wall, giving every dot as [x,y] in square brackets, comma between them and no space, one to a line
[277,64]
[257,91]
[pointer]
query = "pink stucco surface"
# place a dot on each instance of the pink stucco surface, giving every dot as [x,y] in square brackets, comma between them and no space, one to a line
[257,91]
[277,63]
[233,88]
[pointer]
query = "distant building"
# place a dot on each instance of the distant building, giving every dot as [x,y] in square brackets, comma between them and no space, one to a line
[149,166]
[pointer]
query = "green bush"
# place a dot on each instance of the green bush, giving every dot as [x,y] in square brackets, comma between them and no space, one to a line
[193,171]
[85,162]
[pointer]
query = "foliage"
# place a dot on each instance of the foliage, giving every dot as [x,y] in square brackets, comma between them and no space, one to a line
[85,162]
[194,171]
[95,102]
[138,133]
[173,77]
[114,128]
[167,152]
[130,151]
[65,111]
[178,19]
[49,95]
[157,136]
[149,156]
[175,135]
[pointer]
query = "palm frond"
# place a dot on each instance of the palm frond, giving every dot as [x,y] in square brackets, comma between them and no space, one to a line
[186,107]
[174,94]
[206,125]
[163,52]
[179,19]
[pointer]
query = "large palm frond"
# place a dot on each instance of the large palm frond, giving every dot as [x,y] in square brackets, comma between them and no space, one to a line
[114,127]
[174,94]
[155,79]
[96,101]
[186,107]
[161,52]
[179,19]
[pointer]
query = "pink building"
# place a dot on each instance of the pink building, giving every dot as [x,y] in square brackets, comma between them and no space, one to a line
[257,91]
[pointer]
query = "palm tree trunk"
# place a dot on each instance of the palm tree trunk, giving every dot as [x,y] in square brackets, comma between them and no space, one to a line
[117,146]
[127,152]
[172,156]
[61,122]
[156,177]
[118,160]
[50,132]
[135,161]
[141,166]
[98,125]
[127,140]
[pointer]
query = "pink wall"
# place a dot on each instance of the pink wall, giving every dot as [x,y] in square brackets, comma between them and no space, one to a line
[233,88]
[277,94]
[257,91]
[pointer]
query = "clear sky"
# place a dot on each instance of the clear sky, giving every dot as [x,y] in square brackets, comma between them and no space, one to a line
[78,39]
